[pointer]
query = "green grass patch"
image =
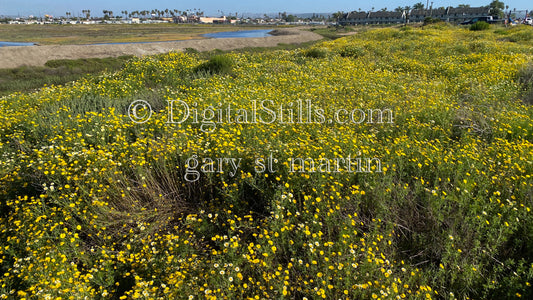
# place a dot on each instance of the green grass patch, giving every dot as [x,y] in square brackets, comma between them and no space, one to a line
[333,32]
[55,72]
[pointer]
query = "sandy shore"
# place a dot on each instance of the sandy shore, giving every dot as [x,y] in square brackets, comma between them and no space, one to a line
[12,57]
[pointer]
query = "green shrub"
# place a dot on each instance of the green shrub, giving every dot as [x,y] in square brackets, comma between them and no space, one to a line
[479,25]
[430,20]
[218,64]
[191,50]
[352,51]
[316,53]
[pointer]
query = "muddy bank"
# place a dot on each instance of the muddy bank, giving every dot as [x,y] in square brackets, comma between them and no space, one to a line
[12,57]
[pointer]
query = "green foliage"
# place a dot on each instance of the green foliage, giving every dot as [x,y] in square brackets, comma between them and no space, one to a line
[352,51]
[218,64]
[479,25]
[418,5]
[316,52]
[496,8]
[291,18]
[431,20]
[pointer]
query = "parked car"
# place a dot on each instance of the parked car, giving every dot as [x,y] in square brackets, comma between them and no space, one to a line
[488,19]
[528,21]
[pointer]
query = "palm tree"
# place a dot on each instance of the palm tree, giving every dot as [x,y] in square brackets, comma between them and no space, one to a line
[398,9]
[337,16]
[418,5]
[87,13]
[407,14]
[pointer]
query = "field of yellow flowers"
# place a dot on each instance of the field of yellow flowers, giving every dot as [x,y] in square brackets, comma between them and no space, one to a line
[265,176]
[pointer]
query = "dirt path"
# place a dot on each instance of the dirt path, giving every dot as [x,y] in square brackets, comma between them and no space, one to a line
[12,57]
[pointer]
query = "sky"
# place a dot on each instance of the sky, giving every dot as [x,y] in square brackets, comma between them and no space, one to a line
[226,7]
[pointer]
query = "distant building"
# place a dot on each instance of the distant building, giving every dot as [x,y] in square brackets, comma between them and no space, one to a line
[461,14]
[384,17]
[180,19]
[450,14]
[207,20]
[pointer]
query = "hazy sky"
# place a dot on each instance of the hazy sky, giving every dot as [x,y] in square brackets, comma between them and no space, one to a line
[213,7]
